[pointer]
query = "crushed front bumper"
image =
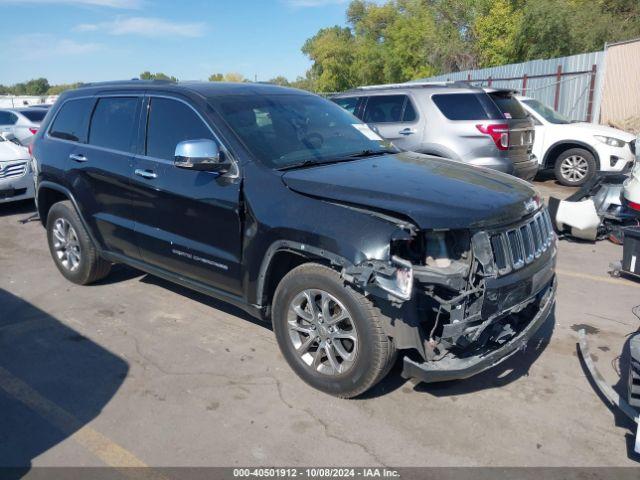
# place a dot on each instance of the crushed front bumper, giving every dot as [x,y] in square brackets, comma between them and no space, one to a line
[453,368]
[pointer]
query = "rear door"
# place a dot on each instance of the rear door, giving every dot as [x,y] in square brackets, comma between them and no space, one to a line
[188,222]
[100,171]
[395,118]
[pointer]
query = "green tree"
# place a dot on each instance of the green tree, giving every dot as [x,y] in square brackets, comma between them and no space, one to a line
[216,77]
[280,80]
[546,30]
[147,75]
[495,33]
[58,89]
[332,53]
[233,77]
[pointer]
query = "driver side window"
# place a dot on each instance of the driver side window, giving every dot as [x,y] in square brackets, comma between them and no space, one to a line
[171,122]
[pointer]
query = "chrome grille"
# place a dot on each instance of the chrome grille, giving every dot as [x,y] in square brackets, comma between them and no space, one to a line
[11,170]
[516,247]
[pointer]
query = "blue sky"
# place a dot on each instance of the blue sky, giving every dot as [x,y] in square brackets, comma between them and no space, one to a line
[93,40]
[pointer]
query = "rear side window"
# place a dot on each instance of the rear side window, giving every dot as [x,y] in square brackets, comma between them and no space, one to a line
[460,106]
[114,123]
[172,122]
[72,120]
[389,109]
[348,103]
[509,106]
[34,115]
[8,118]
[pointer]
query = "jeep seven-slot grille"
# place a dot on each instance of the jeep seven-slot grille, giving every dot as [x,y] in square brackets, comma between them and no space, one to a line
[516,247]
[17,169]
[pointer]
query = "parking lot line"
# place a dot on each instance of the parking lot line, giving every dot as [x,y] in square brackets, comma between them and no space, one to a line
[102,447]
[597,278]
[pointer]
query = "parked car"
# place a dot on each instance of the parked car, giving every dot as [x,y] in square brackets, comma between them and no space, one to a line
[487,128]
[21,122]
[16,181]
[576,150]
[280,202]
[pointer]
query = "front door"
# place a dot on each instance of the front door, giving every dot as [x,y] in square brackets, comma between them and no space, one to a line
[188,222]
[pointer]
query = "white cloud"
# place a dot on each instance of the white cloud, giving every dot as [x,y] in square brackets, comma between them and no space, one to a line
[122,4]
[145,27]
[40,46]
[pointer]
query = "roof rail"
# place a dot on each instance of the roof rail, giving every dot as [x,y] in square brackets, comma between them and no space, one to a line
[417,83]
[133,81]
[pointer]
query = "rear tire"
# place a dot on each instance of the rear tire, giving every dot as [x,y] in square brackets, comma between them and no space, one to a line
[71,247]
[339,357]
[575,166]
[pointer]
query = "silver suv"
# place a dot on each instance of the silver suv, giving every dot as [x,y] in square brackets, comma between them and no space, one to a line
[485,127]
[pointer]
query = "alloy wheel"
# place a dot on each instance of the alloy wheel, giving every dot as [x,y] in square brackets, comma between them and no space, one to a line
[322,332]
[66,245]
[574,168]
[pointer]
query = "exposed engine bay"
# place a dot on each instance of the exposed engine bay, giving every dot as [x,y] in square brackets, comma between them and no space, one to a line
[455,295]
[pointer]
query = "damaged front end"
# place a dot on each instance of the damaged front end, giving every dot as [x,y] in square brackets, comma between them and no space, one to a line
[460,301]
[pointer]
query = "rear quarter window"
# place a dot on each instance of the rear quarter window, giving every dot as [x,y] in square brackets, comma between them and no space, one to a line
[72,120]
[461,106]
[34,115]
[508,105]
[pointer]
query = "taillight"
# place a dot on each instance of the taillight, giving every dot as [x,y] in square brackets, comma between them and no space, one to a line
[499,132]
[33,130]
[635,206]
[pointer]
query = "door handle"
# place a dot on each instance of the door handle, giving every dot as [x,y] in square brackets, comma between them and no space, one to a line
[78,157]
[407,131]
[145,173]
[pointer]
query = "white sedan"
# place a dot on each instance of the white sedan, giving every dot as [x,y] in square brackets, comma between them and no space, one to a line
[16,180]
[23,123]
[576,150]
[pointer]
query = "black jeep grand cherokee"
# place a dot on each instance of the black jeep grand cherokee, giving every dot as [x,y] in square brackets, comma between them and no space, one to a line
[284,204]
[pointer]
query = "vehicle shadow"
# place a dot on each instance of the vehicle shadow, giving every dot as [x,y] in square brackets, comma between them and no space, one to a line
[509,371]
[17,208]
[204,299]
[621,365]
[53,381]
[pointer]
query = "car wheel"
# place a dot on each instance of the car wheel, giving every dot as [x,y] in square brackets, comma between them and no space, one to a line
[71,248]
[330,334]
[575,166]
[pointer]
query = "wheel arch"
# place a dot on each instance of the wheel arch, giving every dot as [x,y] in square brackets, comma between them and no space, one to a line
[282,257]
[553,152]
[50,193]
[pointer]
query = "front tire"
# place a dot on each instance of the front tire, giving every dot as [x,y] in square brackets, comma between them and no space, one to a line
[575,166]
[330,334]
[71,247]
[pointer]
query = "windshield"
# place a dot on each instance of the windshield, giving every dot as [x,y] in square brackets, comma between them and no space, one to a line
[284,131]
[36,115]
[547,113]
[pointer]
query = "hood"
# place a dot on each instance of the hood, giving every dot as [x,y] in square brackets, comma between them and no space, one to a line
[603,130]
[430,191]
[9,152]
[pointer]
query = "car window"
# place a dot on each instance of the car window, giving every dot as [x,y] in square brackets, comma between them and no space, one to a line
[409,112]
[348,103]
[8,118]
[460,106]
[384,109]
[72,120]
[35,115]
[547,113]
[113,123]
[508,105]
[171,122]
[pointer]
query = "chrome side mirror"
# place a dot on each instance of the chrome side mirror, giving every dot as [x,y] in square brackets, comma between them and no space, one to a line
[202,155]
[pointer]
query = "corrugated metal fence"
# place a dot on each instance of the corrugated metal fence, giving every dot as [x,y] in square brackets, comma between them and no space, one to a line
[573,85]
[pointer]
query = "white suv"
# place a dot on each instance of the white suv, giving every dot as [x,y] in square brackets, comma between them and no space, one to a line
[575,150]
